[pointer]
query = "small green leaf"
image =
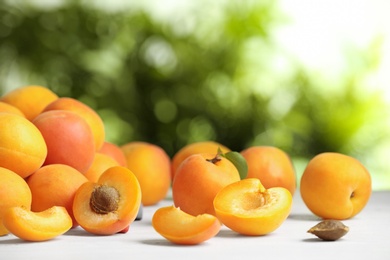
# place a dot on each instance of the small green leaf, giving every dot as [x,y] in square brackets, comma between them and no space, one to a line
[239,161]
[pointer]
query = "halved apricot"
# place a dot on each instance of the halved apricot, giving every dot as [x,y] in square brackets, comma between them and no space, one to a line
[180,227]
[37,226]
[108,206]
[248,208]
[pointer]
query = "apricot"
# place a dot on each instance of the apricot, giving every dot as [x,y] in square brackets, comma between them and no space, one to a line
[100,163]
[181,228]
[90,116]
[151,164]
[55,185]
[335,186]
[248,208]
[22,146]
[14,191]
[115,152]
[31,100]
[110,205]
[37,226]
[195,148]
[272,166]
[5,107]
[68,138]
[198,179]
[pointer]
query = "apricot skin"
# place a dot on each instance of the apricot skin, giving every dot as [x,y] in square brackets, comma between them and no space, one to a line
[181,228]
[14,191]
[115,152]
[271,165]
[30,100]
[68,138]
[37,226]
[87,113]
[151,164]
[55,185]
[197,181]
[195,148]
[22,147]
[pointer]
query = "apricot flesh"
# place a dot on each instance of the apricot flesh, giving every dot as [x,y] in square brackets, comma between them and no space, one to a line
[249,209]
[110,205]
[37,226]
[180,227]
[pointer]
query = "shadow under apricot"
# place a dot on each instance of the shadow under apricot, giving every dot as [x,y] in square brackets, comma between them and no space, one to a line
[166,243]
[226,233]
[303,217]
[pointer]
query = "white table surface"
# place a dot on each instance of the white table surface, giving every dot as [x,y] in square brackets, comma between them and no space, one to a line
[368,238]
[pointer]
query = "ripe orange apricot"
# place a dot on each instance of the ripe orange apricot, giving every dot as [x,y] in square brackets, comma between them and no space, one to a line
[14,191]
[271,165]
[181,228]
[198,179]
[115,152]
[151,164]
[248,208]
[37,226]
[31,100]
[90,116]
[194,148]
[22,146]
[335,186]
[5,107]
[55,185]
[68,138]
[100,163]
[110,205]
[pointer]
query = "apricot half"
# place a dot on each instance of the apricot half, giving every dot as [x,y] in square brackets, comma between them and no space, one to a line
[37,226]
[182,228]
[248,208]
[108,206]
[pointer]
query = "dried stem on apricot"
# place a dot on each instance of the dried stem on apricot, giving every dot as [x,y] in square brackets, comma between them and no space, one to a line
[216,159]
[104,199]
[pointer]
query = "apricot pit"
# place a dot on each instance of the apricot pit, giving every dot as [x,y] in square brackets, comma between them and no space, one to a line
[329,230]
[104,199]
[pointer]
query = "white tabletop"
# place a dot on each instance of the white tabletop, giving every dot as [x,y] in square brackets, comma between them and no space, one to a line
[368,238]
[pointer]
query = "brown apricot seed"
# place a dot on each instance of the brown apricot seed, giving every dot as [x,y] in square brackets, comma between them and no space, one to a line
[104,199]
[329,230]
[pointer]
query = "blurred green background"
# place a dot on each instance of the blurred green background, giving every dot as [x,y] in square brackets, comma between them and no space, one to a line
[209,70]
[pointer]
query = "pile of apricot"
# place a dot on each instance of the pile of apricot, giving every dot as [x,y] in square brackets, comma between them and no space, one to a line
[58,171]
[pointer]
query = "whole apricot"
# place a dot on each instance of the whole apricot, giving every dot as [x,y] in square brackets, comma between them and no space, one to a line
[22,146]
[55,185]
[100,163]
[151,164]
[68,137]
[14,191]
[271,165]
[5,107]
[31,100]
[195,148]
[90,116]
[115,152]
[335,186]
[198,179]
